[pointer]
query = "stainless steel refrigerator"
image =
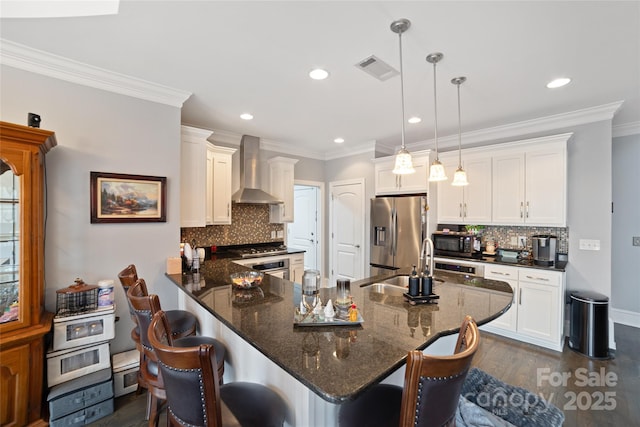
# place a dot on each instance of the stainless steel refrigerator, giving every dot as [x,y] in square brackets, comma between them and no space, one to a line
[398,226]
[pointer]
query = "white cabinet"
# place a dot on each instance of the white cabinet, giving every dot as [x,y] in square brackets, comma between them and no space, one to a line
[529,185]
[193,176]
[470,204]
[218,191]
[281,177]
[387,182]
[537,313]
[205,180]
[296,267]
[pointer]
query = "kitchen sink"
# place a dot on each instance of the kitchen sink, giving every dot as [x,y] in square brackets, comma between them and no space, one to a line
[387,289]
[401,281]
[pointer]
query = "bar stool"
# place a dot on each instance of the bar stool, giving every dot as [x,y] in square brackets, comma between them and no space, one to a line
[144,306]
[429,398]
[194,396]
[182,322]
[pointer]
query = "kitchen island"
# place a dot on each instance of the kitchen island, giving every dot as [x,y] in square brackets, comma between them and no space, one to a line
[315,368]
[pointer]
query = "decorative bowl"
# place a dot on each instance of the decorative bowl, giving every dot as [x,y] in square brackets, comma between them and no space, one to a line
[247,279]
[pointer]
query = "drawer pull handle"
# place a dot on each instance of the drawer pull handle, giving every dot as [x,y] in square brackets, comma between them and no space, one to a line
[544,279]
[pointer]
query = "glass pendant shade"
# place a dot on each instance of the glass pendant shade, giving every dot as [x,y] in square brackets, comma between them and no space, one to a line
[436,172]
[404,164]
[460,178]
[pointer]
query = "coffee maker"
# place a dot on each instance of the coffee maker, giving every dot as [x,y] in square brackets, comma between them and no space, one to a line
[544,249]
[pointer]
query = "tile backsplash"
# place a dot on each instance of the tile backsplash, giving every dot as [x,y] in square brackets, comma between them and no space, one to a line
[250,224]
[503,236]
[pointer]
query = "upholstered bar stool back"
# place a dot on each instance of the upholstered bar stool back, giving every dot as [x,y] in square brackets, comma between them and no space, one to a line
[429,398]
[194,394]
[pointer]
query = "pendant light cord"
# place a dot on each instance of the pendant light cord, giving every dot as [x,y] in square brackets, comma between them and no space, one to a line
[435,110]
[401,86]
[459,131]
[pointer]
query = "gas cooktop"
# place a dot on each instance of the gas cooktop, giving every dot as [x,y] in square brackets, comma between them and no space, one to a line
[258,251]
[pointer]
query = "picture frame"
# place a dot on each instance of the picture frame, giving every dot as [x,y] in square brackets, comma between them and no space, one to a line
[121,198]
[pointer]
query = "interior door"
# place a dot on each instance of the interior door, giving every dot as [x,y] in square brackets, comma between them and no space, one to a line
[303,232]
[347,229]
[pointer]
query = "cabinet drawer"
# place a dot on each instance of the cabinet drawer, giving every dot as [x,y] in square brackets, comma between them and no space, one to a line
[542,277]
[500,272]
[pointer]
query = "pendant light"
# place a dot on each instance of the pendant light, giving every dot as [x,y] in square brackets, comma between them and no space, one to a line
[460,177]
[404,163]
[436,172]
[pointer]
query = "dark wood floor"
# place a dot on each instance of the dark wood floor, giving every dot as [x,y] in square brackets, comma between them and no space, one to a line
[583,397]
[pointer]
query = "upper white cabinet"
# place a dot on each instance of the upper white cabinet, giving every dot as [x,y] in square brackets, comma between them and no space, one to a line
[470,204]
[205,180]
[518,183]
[219,184]
[387,182]
[193,174]
[281,177]
[530,183]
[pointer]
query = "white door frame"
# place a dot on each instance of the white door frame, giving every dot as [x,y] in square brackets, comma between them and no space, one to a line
[321,221]
[332,261]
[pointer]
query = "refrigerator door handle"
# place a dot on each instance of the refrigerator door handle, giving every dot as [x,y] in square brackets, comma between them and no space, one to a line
[394,232]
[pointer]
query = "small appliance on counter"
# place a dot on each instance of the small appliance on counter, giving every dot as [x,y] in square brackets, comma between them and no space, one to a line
[544,249]
[454,240]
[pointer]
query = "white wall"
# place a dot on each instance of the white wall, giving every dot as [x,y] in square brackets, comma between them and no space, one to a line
[625,289]
[105,132]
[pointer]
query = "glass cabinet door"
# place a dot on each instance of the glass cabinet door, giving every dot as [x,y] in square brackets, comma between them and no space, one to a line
[9,244]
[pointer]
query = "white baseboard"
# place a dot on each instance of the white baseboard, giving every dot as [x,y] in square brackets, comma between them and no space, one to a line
[625,317]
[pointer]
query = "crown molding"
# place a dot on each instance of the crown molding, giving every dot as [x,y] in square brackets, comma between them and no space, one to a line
[40,62]
[626,129]
[368,147]
[518,129]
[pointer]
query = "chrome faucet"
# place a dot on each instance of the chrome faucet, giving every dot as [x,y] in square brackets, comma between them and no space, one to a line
[426,243]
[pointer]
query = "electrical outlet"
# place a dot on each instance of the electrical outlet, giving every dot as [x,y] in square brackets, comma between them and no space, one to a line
[280,234]
[273,234]
[514,241]
[636,240]
[589,245]
[522,241]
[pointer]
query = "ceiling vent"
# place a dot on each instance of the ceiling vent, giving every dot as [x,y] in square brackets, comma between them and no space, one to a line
[377,68]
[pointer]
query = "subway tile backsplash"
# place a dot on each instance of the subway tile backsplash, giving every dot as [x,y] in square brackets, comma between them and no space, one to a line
[503,236]
[250,224]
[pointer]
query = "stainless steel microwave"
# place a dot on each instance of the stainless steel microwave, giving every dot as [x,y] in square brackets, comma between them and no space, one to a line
[456,244]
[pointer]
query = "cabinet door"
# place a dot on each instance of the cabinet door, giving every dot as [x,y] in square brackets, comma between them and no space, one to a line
[508,321]
[296,266]
[450,204]
[193,177]
[14,382]
[417,182]
[281,181]
[387,182]
[537,314]
[508,188]
[209,188]
[545,187]
[221,189]
[477,195]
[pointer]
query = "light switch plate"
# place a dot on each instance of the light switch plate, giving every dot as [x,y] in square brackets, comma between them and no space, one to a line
[589,245]
[636,240]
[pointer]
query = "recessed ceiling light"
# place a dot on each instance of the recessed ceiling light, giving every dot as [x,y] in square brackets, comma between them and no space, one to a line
[338,140]
[318,74]
[246,116]
[413,120]
[553,84]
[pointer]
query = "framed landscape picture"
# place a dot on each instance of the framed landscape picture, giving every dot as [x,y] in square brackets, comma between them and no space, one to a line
[128,198]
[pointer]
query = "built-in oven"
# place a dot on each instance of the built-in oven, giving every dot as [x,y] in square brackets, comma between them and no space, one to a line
[459,266]
[278,268]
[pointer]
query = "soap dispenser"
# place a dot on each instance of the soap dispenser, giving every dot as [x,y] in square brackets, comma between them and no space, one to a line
[414,283]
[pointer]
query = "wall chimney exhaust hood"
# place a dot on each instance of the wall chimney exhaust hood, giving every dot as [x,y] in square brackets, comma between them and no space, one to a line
[249,191]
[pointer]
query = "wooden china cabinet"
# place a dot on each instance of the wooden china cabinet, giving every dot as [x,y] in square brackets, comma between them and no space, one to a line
[23,321]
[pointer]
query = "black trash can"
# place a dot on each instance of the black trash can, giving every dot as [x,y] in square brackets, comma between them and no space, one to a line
[589,324]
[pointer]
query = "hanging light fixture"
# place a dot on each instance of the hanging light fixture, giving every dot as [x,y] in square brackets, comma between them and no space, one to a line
[436,172]
[404,163]
[460,177]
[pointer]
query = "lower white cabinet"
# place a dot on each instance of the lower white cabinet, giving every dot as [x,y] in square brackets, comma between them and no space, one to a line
[537,313]
[296,267]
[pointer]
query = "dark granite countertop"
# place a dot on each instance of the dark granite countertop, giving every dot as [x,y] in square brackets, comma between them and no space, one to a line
[339,362]
[559,265]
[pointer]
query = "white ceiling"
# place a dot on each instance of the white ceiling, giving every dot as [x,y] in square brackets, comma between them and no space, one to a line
[242,56]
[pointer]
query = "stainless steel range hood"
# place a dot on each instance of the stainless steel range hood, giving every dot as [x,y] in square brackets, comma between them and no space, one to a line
[249,191]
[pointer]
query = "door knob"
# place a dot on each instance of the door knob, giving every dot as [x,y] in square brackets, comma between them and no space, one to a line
[357,246]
